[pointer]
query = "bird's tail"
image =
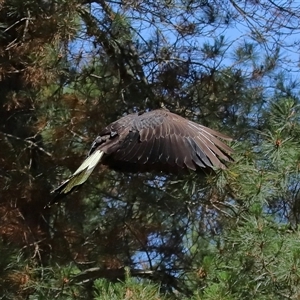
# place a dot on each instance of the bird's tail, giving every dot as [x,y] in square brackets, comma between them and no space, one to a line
[81,175]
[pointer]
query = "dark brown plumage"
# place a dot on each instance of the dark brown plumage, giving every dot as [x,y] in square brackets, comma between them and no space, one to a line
[156,140]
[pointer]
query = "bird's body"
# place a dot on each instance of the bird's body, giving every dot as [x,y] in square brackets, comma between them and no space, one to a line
[156,140]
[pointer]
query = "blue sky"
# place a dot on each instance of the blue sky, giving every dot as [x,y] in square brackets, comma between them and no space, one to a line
[236,33]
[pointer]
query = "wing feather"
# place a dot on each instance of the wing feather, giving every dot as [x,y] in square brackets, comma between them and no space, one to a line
[180,147]
[166,138]
[169,154]
[130,153]
[210,135]
[163,150]
[142,152]
[154,154]
[215,145]
[146,154]
[188,160]
[180,151]
[198,156]
[144,134]
[158,131]
[166,129]
[213,132]
[204,150]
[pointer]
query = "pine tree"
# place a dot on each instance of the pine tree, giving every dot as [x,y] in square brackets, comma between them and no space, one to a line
[67,69]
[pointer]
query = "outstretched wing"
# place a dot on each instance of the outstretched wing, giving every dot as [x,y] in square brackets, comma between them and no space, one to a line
[159,139]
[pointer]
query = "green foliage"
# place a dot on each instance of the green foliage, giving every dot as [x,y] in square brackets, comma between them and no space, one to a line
[130,289]
[67,69]
[258,255]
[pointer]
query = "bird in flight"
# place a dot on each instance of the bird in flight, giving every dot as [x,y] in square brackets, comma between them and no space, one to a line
[155,140]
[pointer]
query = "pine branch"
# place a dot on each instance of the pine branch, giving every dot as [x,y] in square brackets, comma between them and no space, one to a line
[31,143]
